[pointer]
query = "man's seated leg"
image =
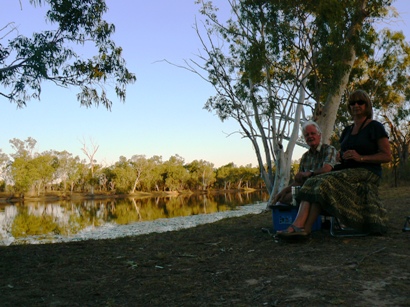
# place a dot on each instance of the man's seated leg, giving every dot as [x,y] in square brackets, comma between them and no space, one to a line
[286,199]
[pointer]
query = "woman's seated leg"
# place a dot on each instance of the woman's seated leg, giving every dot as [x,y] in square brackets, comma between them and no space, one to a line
[300,220]
[314,212]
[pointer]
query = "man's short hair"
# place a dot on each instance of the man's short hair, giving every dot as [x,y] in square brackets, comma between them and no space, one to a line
[310,123]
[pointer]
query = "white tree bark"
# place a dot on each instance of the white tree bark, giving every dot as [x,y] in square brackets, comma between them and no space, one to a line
[284,158]
[326,117]
[90,153]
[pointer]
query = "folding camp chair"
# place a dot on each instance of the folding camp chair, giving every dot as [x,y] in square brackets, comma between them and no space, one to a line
[337,229]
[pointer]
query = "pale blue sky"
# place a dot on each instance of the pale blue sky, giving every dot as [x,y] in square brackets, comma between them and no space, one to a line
[163,114]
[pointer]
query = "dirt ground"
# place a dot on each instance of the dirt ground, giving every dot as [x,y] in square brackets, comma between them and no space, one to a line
[228,263]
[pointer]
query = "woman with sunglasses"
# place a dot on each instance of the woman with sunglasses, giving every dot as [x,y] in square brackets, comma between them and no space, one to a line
[350,192]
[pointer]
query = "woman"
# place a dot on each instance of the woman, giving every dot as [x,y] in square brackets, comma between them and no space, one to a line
[350,193]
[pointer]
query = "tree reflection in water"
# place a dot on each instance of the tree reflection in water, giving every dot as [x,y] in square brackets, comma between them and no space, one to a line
[33,221]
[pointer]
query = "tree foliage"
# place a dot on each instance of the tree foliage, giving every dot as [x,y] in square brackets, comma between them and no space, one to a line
[276,63]
[202,174]
[384,73]
[54,55]
[28,171]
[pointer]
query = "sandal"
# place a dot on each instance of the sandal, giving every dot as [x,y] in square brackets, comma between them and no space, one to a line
[297,232]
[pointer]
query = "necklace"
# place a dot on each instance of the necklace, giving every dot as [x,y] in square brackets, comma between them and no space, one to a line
[361,126]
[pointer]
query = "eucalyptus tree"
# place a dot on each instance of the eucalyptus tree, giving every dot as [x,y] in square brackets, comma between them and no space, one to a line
[201,173]
[31,171]
[140,165]
[138,172]
[175,175]
[153,176]
[78,178]
[399,131]
[20,173]
[249,176]
[90,152]
[55,54]
[20,168]
[388,83]
[225,176]
[66,169]
[75,169]
[107,176]
[123,175]
[23,148]
[43,168]
[276,63]
[4,161]
[384,74]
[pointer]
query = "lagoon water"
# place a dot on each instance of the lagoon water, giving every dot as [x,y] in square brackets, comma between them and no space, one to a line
[63,221]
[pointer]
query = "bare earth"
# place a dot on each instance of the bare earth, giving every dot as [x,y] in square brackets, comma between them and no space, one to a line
[227,263]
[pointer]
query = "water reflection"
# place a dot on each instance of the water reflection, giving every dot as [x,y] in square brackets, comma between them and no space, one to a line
[33,221]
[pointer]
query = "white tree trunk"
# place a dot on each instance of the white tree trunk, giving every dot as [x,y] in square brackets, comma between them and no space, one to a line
[284,158]
[326,117]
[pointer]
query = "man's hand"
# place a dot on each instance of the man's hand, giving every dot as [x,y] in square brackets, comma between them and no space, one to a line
[281,195]
[277,197]
[302,176]
[338,157]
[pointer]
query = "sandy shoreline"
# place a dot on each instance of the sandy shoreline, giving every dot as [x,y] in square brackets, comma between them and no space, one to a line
[112,231]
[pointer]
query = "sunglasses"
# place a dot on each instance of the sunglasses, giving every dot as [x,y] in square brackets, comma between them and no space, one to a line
[359,102]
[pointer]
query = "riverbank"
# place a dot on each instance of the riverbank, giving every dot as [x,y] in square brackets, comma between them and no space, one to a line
[54,220]
[50,196]
[230,262]
[114,231]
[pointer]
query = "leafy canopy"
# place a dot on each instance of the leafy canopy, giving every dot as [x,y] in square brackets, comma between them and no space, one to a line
[51,55]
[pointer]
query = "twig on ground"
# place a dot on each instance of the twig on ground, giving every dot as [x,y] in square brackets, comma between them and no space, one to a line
[368,255]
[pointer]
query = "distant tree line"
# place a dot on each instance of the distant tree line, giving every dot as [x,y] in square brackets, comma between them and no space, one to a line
[29,172]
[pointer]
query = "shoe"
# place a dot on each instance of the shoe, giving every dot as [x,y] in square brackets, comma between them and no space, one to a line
[296,233]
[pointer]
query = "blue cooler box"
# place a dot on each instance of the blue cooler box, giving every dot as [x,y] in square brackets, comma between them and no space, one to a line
[283,216]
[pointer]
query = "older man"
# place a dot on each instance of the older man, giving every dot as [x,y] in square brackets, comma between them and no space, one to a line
[319,159]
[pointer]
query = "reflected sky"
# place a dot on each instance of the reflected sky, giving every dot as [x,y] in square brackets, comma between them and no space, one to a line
[31,222]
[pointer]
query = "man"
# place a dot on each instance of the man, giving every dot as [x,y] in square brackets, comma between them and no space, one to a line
[319,159]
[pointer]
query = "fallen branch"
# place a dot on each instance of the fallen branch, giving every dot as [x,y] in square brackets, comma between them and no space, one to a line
[368,255]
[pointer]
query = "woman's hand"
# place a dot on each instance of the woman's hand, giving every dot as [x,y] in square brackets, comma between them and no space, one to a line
[382,156]
[351,154]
